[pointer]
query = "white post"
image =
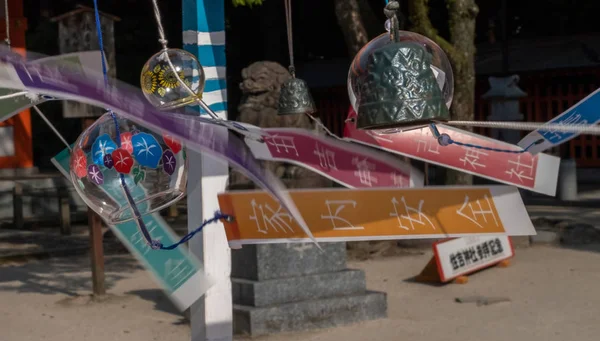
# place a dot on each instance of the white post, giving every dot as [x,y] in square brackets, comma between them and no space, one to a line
[204,36]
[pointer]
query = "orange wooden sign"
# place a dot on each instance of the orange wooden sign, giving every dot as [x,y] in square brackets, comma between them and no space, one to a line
[376,214]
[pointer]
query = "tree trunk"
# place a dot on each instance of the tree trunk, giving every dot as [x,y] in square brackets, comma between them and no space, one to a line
[348,13]
[462,16]
[461,52]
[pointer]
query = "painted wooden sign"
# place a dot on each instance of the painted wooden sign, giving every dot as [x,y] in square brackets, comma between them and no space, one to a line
[377,214]
[536,173]
[349,165]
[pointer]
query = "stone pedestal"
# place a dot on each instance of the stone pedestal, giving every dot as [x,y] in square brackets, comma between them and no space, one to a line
[504,95]
[294,287]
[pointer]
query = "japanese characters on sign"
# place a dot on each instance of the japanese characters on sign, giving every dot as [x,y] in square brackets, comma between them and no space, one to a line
[461,256]
[376,214]
[585,112]
[536,173]
[177,271]
[350,165]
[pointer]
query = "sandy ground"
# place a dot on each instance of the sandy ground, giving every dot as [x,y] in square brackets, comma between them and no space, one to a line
[552,292]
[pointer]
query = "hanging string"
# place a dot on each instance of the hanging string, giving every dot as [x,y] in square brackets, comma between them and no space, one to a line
[588,129]
[7,21]
[445,140]
[161,31]
[60,137]
[288,22]
[320,124]
[25,93]
[218,216]
[14,94]
[292,67]
[154,244]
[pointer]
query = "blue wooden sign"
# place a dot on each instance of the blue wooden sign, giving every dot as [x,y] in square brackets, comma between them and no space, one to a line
[585,112]
[177,271]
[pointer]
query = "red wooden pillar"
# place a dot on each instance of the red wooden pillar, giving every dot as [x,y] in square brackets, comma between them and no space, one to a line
[21,123]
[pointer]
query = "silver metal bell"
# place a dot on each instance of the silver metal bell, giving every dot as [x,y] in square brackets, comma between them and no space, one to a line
[295,98]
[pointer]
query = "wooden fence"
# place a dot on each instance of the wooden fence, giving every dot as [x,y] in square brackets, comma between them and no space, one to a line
[549,94]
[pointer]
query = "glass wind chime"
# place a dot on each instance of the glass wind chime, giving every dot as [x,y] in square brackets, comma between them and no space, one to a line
[123,171]
[400,79]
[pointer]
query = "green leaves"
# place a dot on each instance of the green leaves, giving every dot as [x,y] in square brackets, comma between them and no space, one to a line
[248,3]
[138,174]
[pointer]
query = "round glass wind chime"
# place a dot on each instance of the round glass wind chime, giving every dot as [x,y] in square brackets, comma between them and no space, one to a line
[123,171]
[400,79]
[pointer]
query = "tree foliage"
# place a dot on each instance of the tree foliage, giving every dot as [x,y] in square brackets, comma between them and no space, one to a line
[247,3]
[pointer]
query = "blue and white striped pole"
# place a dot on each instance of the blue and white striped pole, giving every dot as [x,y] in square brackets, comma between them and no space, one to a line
[204,36]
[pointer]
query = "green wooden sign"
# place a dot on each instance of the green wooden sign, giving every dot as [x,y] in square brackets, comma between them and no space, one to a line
[178,272]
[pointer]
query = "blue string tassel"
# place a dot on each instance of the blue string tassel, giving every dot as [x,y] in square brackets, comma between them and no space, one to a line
[446,140]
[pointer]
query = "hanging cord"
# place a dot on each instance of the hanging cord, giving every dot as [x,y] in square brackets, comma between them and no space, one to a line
[25,93]
[52,127]
[292,67]
[390,10]
[588,129]
[218,216]
[154,244]
[161,31]
[7,20]
[288,22]
[446,140]
[322,126]
[14,94]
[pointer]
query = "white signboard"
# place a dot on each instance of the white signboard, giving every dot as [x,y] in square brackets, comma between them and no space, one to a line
[461,256]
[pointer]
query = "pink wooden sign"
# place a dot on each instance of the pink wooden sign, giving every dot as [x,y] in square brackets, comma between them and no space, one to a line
[536,173]
[348,164]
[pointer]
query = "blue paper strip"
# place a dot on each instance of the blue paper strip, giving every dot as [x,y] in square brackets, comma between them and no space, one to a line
[585,112]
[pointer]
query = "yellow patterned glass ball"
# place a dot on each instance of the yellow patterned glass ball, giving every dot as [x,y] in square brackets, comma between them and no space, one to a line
[164,84]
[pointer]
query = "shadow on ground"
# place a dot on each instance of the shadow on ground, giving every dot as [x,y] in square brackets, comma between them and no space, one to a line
[158,297]
[69,276]
[584,247]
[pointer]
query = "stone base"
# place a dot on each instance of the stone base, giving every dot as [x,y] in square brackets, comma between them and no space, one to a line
[295,289]
[309,315]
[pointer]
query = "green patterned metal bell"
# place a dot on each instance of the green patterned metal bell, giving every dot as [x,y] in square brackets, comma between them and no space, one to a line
[399,88]
[400,79]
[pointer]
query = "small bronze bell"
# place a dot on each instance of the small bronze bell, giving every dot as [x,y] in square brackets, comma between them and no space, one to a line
[295,98]
[399,89]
